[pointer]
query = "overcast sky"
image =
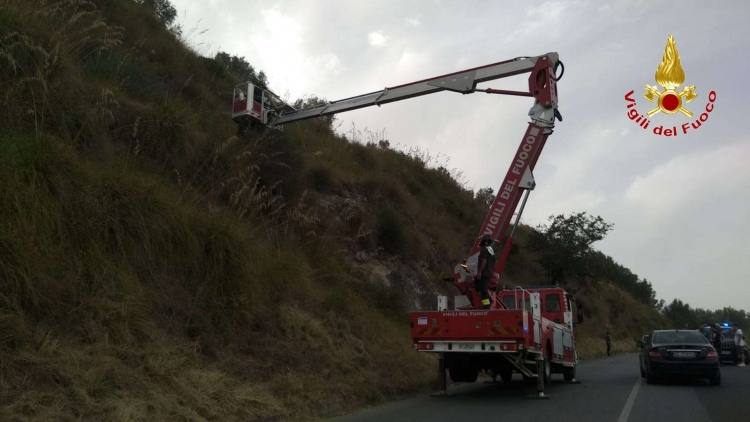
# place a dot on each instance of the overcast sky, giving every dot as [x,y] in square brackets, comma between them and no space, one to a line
[680,205]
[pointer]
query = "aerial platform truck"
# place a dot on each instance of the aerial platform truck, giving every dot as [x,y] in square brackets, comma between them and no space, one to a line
[526,330]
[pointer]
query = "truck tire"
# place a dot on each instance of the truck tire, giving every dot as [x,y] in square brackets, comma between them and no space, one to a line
[456,373]
[569,374]
[470,375]
[548,366]
[506,376]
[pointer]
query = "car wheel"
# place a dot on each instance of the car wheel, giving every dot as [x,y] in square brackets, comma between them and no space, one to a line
[716,380]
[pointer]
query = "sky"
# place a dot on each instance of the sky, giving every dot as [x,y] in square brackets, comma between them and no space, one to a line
[680,205]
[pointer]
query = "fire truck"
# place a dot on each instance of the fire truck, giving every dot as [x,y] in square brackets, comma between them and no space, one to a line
[527,330]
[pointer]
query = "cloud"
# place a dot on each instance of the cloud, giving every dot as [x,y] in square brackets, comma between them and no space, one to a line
[413,22]
[376,39]
[688,180]
[545,16]
[283,49]
[623,10]
[411,60]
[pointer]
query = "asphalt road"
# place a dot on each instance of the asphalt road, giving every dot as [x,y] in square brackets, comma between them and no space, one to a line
[610,390]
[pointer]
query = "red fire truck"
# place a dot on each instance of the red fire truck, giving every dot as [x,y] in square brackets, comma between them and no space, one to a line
[523,326]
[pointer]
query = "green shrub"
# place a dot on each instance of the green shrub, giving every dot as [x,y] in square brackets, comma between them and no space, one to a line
[363,156]
[321,178]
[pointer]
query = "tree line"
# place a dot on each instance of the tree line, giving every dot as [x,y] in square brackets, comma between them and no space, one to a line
[680,313]
[564,247]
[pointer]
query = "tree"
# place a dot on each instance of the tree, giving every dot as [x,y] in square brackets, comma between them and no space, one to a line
[565,244]
[163,9]
[241,69]
[485,196]
[314,101]
[680,313]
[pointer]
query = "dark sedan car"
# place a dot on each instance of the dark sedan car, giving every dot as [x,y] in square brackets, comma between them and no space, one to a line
[678,353]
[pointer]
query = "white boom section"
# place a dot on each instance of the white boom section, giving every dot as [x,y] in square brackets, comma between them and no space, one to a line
[464,81]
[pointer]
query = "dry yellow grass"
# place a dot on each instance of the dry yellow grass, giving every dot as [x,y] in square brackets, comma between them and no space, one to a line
[155,267]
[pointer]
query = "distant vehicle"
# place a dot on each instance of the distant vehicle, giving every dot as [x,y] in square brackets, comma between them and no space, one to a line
[728,346]
[674,353]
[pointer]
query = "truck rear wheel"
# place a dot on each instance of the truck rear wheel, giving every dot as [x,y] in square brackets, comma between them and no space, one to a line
[456,373]
[471,375]
[548,367]
[506,376]
[463,374]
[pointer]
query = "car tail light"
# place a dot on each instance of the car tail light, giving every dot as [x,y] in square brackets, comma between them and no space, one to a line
[712,355]
[656,354]
[426,346]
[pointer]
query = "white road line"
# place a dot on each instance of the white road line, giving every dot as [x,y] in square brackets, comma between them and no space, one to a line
[629,404]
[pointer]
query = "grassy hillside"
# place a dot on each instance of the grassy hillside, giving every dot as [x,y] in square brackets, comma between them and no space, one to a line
[153,266]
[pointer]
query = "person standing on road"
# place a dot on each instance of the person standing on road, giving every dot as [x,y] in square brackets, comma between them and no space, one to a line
[717,340]
[485,270]
[707,331]
[609,344]
[738,344]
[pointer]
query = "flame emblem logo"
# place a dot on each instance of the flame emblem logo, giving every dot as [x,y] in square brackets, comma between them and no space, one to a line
[670,76]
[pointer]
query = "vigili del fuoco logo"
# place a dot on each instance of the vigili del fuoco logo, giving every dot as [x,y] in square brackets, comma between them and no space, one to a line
[669,75]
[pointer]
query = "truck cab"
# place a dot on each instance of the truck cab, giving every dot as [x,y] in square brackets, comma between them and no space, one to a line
[554,302]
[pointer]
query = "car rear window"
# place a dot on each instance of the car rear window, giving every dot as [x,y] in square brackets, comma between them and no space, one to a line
[678,337]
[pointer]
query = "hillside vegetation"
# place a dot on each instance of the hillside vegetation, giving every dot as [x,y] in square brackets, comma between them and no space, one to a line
[154,266]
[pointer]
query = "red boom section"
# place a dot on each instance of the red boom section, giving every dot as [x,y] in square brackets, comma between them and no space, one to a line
[509,193]
[543,87]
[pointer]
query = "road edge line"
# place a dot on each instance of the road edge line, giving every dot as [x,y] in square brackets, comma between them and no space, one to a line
[631,400]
